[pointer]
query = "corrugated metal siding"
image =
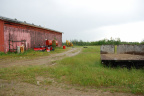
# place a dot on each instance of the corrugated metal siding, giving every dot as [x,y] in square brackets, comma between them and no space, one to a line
[33,36]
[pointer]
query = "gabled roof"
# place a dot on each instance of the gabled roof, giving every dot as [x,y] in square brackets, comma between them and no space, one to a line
[25,23]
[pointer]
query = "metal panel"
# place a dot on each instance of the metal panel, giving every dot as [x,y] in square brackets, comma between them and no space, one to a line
[130,49]
[121,49]
[106,49]
[33,36]
[139,49]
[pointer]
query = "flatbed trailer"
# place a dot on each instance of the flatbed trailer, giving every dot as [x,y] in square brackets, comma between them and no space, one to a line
[122,58]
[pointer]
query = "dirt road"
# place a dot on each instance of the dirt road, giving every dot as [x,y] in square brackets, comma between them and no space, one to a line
[46,60]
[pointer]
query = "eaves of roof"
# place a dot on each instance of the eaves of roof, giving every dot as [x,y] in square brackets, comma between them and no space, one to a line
[25,23]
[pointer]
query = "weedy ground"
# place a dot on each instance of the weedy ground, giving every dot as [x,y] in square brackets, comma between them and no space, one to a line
[84,70]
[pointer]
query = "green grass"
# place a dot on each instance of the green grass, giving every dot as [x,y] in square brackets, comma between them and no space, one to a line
[29,54]
[85,70]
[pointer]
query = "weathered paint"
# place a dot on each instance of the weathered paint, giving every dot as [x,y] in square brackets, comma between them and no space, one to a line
[139,49]
[32,35]
[1,35]
[121,49]
[130,49]
[106,49]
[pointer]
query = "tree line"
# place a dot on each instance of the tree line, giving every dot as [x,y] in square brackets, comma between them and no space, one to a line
[112,41]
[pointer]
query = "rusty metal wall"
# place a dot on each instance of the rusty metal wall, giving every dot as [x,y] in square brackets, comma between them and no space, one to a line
[139,49]
[107,49]
[130,49]
[33,36]
[122,49]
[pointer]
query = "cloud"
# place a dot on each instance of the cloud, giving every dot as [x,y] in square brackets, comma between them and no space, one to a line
[87,20]
[98,5]
[126,32]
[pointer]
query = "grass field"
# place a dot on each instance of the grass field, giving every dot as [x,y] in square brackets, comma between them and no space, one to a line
[84,69]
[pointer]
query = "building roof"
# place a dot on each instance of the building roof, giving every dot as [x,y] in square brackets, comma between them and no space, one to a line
[25,23]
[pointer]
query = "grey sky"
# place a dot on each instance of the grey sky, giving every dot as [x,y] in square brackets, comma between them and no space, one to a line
[88,20]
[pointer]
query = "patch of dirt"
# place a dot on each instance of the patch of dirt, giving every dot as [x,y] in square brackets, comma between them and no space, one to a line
[15,88]
[46,60]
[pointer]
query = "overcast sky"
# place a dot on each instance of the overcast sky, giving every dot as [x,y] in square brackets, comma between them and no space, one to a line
[87,20]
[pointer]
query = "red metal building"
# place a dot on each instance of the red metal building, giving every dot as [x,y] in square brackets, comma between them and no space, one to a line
[15,33]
